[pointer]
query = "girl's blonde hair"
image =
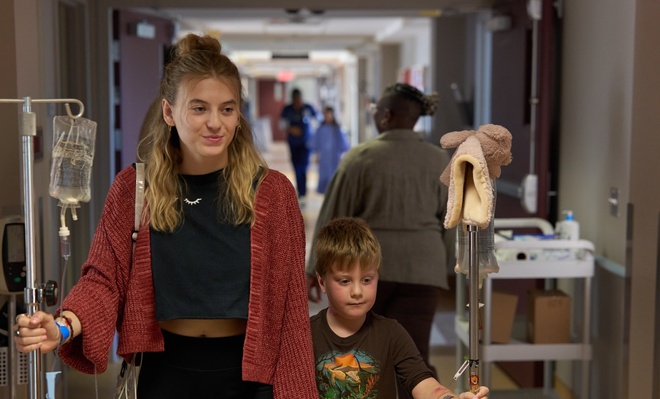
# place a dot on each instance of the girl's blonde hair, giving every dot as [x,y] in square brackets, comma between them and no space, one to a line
[342,242]
[197,58]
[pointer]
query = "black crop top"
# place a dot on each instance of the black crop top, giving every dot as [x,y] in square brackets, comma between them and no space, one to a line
[202,269]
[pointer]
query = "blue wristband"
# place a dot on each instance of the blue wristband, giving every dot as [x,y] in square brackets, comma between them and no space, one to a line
[65,333]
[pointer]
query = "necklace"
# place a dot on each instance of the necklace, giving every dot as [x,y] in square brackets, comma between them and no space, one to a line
[194,202]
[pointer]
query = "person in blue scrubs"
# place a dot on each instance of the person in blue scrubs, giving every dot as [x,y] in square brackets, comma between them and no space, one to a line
[298,117]
[329,143]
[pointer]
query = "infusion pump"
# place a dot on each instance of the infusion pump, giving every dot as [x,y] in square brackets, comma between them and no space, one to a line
[12,236]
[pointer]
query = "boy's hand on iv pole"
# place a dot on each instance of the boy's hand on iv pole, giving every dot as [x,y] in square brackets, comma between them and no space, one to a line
[430,388]
[313,289]
[482,393]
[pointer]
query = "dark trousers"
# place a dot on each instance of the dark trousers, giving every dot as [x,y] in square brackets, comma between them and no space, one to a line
[300,161]
[195,368]
[414,307]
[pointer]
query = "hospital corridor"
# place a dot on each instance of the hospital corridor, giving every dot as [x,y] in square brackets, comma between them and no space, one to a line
[527,126]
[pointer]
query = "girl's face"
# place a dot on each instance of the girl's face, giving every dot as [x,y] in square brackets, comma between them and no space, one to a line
[351,294]
[206,115]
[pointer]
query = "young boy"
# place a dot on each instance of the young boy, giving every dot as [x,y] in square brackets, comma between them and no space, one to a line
[358,354]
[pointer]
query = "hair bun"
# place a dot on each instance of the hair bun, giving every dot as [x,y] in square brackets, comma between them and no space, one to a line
[193,43]
[430,103]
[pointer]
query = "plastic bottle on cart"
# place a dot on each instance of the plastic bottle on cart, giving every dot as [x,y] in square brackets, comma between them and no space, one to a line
[569,228]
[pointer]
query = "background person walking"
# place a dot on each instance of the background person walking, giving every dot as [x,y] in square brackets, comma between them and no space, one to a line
[329,143]
[298,117]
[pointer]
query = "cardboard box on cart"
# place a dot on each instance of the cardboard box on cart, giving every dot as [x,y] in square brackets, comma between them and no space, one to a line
[548,317]
[503,312]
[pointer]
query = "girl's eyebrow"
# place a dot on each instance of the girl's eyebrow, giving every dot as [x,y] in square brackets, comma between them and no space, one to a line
[198,101]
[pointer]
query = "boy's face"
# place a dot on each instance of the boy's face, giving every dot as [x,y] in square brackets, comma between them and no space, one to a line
[351,293]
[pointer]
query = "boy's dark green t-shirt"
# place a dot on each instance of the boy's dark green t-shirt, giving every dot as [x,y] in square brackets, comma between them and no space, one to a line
[365,365]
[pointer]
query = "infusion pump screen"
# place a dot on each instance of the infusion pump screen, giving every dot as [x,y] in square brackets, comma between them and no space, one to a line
[13,267]
[15,243]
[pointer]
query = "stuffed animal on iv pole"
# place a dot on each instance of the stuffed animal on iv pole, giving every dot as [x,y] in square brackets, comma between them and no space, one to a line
[470,176]
[482,152]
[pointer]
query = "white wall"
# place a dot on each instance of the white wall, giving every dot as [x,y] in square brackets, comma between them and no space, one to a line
[596,106]
[609,119]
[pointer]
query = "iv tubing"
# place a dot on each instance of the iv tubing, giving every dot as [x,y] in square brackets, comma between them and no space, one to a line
[65,243]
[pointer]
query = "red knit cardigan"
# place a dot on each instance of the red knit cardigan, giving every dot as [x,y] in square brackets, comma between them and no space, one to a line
[111,294]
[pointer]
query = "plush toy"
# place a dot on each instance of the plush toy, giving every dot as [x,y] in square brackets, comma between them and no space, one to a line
[476,161]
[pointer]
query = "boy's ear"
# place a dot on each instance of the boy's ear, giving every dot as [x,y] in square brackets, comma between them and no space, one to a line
[321,282]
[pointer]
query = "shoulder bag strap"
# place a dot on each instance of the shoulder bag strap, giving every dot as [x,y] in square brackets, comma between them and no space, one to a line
[139,199]
[128,375]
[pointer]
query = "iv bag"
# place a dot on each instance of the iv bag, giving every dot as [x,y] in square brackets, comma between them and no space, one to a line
[485,248]
[73,154]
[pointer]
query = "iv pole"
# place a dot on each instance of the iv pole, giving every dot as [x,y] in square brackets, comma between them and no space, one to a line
[472,362]
[472,161]
[473,329]
[33,295]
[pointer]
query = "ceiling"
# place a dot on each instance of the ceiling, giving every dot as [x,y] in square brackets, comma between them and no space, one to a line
[265,41]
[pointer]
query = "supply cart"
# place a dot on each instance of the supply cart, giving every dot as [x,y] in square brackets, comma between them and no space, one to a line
[580,265]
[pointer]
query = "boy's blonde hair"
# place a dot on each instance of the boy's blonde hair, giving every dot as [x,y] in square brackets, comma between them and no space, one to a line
[342,242]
